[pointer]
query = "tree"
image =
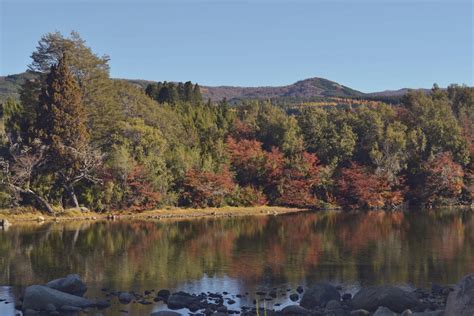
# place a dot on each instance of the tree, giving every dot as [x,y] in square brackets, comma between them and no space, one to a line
[19,172]
[61,126]
[204,189]
[328,134]
[360,187]
[443,180]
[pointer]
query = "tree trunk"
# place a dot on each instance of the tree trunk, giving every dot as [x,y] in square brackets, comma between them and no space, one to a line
[73,196]
[43,203]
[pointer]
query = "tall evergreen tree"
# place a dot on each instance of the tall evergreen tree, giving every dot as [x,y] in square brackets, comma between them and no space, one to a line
[61,126]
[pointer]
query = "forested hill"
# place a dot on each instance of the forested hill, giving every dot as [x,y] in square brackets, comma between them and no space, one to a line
[304,90]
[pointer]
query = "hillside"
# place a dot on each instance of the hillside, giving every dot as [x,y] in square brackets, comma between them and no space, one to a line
[304,90]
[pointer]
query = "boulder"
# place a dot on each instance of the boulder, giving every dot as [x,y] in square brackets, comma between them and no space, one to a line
[38,297]
[182,300]
[165,313]
[392,297]
[319,295]
[430,313]
[71,284]
[125,298]
[334,308]
[384,311]
[359,312]
[461,301]
[294,310]
[164,294]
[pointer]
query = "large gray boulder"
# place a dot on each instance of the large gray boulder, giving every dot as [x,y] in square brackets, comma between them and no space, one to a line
[180,300]
[71,284]
[461,301]
[384,311]
[294,310]
[319,295]
[392,297]
[38,297]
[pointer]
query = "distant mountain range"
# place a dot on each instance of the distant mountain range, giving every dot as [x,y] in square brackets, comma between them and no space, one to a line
[307,89]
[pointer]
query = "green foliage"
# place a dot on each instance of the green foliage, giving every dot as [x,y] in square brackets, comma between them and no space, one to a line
[111,144]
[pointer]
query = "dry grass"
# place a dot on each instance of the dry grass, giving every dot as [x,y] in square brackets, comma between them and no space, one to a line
[29,215]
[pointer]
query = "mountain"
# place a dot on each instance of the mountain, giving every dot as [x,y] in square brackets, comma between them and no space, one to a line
[304,90]
[396,93]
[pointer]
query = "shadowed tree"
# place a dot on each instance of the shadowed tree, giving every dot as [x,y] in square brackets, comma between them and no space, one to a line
[61,126]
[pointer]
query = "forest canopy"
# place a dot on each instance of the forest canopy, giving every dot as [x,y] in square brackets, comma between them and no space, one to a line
[77,138]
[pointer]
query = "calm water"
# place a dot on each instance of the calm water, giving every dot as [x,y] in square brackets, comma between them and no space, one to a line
[242,254]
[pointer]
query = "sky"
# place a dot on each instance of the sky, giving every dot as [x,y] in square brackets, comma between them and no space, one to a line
[366,45]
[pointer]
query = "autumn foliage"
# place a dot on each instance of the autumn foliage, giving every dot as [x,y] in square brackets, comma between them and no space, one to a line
[359,187]
[444,179]
[203,188]
[287,181]
[140,194]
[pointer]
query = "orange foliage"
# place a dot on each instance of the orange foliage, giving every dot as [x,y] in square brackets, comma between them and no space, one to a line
[202,189]
[358,187]
[444,179]
[140,194]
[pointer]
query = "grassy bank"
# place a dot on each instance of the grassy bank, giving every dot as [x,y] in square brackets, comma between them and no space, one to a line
[30,215]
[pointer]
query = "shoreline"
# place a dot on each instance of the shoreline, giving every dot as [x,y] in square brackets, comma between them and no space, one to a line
[28,216]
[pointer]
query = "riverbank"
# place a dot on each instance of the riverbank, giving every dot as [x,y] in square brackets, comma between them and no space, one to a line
[29,215]
[65,296]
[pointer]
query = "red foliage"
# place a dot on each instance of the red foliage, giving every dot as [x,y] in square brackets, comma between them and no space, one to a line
[202,188]
[444,179]
[242,130]
[247,159]
[140,194]
[296,185]
[359,187]
[285,181]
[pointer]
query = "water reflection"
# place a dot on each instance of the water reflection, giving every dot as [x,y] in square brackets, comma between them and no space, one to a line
[243,254]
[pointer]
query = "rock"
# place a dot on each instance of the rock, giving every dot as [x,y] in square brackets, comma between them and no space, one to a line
[165,313]
[461,301]
[319,295]
[294,310]
[125,298]
[40,219]
[394,298]
[384,311]
[37,297]
[182,300]
[430,313]
[346,296]
[334,308]
[102,304]
[406,312]
[294,297]
[300,289]
[71,284]
[50,308]
[164,294]
[273,293]
[359,312]
[72,309]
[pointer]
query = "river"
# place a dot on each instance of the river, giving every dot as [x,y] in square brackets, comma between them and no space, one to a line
[239,254]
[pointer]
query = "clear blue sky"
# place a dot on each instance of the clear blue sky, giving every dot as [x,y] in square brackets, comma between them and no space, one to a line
[366,45]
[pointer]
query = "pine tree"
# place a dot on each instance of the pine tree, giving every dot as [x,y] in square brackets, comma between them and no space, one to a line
[197,97]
